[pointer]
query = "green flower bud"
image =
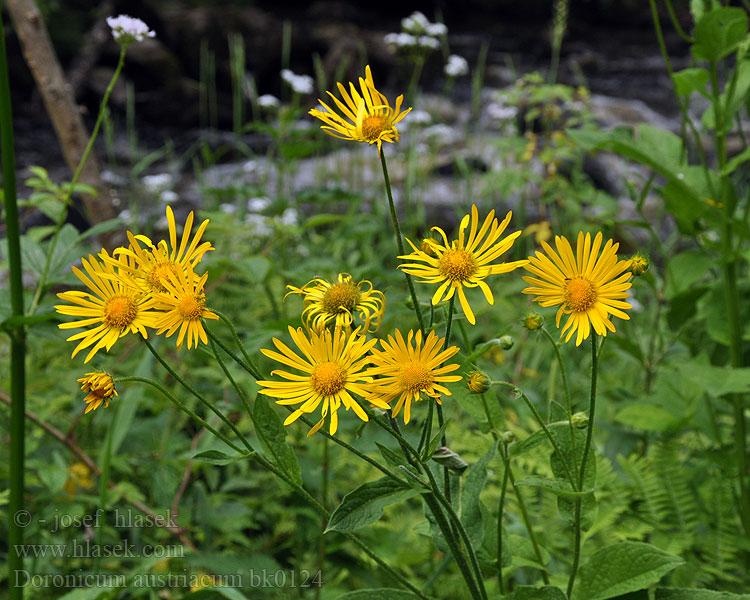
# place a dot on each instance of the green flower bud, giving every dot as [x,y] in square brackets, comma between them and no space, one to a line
[638,265]
[532,321]
[446,457]
[506,342]
[478,382]
[580,420]
[508,437]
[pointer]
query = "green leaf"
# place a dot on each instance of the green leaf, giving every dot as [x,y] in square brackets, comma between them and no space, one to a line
[272,435]
[364,505]
[647,417]
[684,270]
[623,568]
[255,267]
[378,594]
[572,448]
[690,80]
[395,458]
[103,227]
[557,487]
[430,449]
[683,594]
[217,457]
[322,219]
[65,251]
[471,511]
[523,552]
[736,161]
[716,381]
[32,255]
[719,32]
[12,323]
[528,592]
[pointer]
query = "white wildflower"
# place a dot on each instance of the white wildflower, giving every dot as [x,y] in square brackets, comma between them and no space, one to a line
[430,43]
[456,66]
[436,29]
[268,101]
[501,112]
[300,84]
[258,204]
[417,117]
[157,183]
[168,196]
[289,217]
[127,30]
[415,23]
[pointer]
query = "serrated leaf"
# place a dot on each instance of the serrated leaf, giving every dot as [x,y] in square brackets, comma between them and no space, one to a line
[272,435]
[365,504]
[623,568]
[690,80]
[557,487]
[471,507]
[719,32]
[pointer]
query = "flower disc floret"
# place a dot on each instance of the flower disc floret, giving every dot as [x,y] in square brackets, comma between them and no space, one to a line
[465,262]
[115,306]
[404,370]
[338,302]
[329,368]
[588,285]
[363,115]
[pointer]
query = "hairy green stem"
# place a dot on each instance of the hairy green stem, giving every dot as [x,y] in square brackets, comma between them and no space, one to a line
[731,297]
[255,372]
[17,333]
[184,408]
[399,240]
[441,419]
[198,395]
[550,437]
[584,459]
[500,511]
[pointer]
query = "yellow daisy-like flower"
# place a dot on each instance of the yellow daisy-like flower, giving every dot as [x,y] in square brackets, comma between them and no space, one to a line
[587,286]
[408,369]
[153,265]
[183,305]
[116,306]
[337,302]
[465,262]
[99,387]
[365,115]
[331,371]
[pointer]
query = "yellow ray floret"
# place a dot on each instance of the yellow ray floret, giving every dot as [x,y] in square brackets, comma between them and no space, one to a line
[99,387]
[115,306]
[465,262]
[365,115]
[329,365]
[405,370]
[183,306]
[152,265]
[588,286]
[337,303]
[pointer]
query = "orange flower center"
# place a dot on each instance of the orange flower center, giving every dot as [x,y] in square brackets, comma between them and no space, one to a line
[158,273]
[457,265]
[119,312]
[340,297]
[579,294]
[415,377]
[373,126]
[328,378]
[191,306]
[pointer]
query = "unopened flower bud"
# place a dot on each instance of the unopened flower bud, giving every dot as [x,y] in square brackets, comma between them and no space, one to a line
[508,437]
[638,265]
[478,382]
[446,457]
[580,420]
[409,303]
[506,342]
[532,321]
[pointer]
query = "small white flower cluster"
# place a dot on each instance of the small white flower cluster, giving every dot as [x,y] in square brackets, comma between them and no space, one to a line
[456,66]
[300,84]
[418,24]
[417,32]
[500,111]
[269,100]
[127,30]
